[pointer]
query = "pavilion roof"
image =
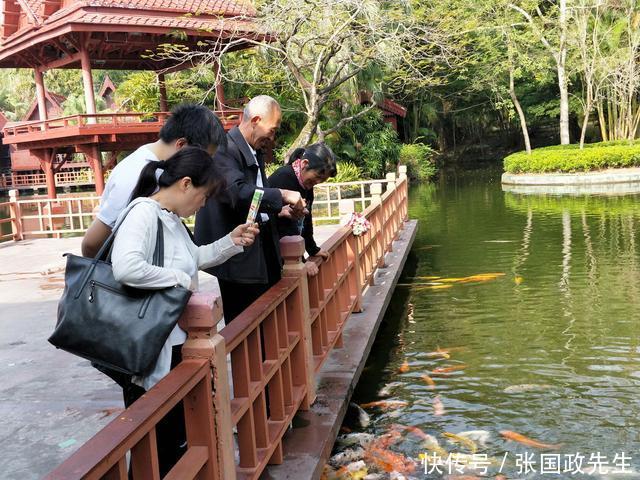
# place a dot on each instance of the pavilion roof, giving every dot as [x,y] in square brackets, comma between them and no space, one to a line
[118,32]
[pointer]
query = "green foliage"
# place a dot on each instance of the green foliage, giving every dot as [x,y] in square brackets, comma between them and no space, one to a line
[569,158]
[374,142]
[140,92]
[419,159]
[347,172]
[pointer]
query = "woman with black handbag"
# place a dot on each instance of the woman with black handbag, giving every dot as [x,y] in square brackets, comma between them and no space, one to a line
[186,180]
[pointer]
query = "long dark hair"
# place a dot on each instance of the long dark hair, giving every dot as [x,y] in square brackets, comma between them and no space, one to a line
[320,157]
[192,162]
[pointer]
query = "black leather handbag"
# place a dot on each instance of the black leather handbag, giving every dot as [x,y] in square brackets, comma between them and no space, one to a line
[115,326]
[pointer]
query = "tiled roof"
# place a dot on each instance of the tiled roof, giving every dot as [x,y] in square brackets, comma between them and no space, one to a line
[227,8]
[184,23]
[393,107]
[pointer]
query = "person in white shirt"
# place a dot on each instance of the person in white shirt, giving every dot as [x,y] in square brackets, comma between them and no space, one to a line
[187,179]
[188,125]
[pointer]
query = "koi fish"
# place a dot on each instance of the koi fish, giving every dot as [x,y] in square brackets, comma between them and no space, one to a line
[445,370]
[360,439]
[518,280]
[385,404]
[388,389]
[516,437]
[429,381]
[480,437]
[470,444]
[434,287]
[450,349]
[404,368]
[441,354]
[346,457]
[389,461]
[438,407]
[526,387]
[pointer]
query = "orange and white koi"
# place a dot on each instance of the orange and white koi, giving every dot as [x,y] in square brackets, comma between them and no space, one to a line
[385,404]
[445,370]
[516,437]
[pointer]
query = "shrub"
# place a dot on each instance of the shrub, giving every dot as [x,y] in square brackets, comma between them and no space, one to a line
[419,159]
[569,158]
[347,172]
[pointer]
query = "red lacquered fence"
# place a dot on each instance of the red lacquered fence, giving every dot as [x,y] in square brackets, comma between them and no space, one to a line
[274,349]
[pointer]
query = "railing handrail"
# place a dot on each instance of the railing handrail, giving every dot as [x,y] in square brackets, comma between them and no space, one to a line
[105,449]
[80,119]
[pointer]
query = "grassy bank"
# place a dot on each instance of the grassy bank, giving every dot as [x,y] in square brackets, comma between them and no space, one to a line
[569,158]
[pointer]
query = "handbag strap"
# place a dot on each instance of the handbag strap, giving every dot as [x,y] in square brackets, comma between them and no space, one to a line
[158,253]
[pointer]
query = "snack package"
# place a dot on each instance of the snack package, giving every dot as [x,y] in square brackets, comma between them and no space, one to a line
[255,205]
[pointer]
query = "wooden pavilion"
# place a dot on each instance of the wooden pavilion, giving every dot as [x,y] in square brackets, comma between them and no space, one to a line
[108,34]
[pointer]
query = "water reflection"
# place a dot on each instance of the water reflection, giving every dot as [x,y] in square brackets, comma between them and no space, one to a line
[550,350]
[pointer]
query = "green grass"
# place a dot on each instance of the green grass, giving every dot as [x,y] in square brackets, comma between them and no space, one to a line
[569,158]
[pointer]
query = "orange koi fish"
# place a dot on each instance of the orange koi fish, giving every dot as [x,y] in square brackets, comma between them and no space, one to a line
[417,431]
[516,437]
[445,370]
[438,407]
[429,381]
[389,461]
[404,368]
[385,404]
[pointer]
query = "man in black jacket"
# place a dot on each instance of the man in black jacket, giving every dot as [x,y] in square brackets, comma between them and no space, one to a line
[248,275]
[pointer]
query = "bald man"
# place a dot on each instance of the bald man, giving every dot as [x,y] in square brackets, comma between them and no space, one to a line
[248,275]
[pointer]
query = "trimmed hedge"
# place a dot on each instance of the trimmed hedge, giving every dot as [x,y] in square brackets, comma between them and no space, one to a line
[569,158]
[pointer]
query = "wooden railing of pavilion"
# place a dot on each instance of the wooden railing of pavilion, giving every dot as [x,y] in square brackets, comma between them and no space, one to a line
[299,320]
[97,122]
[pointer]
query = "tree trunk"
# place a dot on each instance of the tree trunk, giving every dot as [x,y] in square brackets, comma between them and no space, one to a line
[562,76]
[516,103]
[564,105]
[603,122]
[306,134]
[585,122]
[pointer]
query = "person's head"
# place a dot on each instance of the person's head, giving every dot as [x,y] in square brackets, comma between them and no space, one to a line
[194,125]
[318,164]
[188,178]
[260,121]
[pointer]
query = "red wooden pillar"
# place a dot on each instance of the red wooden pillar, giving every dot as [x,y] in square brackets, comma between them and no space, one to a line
[164,106]
[45,156]
[94,158]
[42,101]
[87,80]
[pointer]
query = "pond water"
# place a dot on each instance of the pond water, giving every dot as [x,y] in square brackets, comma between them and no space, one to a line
[535,303]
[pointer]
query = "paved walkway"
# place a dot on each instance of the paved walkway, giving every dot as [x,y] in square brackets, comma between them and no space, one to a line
[51,402]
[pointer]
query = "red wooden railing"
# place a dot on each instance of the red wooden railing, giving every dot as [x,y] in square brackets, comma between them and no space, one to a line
[39,180]
[101,121]
[275,347]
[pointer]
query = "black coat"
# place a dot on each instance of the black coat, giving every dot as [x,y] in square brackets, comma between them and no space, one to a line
[223,213]
[285,177]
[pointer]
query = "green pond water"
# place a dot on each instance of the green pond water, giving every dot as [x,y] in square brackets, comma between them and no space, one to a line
[550,349]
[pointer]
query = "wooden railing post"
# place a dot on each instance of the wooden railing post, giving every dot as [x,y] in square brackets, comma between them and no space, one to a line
[347,207]
[402,169]
[16,215]
[292,251]
[199,320]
